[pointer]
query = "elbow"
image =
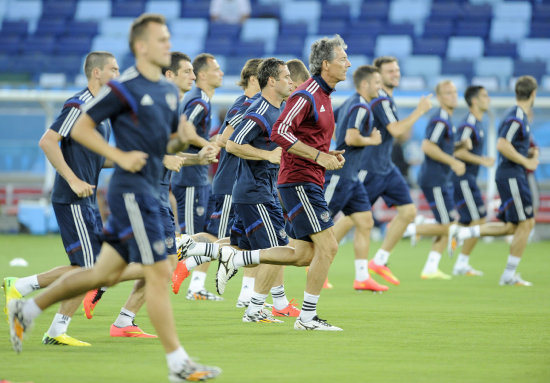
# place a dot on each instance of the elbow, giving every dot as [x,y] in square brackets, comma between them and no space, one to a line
[425,146]
[501,144]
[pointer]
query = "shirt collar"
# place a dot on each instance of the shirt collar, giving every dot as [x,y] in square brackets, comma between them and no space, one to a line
[323,84]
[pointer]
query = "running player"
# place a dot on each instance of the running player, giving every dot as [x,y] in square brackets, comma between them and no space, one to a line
[467,195]
[143,107]
[516,209]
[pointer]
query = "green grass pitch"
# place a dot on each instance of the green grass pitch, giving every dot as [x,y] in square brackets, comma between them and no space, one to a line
[464,330]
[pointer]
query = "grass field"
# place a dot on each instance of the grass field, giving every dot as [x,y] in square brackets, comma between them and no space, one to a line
[464,330]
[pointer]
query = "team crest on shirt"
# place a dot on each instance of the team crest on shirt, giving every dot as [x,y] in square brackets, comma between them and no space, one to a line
[282,233]
[169,242]
[159,247]
[200,211]
[325,216]
[529,210]
[172,101]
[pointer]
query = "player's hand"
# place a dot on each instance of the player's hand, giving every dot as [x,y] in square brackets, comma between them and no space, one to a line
[533,152]
[208,153]
[132,161]
[425,103]
[458,167]
[81,188]
[375,137]
[172,162]
[275,155]
[488,161]
[531,163]
[329,161]
[339,154]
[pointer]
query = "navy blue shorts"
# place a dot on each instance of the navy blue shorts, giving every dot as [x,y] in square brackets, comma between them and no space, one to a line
[221,219]
[440,199]
[192,207]
[80,227]
[263,223]
[306,209]
[237,236]
[392,187]
[168,224]
[516,200]
[468,200]
[345,195]
[134,228]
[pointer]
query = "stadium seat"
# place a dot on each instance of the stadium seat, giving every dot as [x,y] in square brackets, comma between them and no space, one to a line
[408,11]
[463,67]
[425,66]
[83,28]
[491,83]
[30,10]
[117,46]
[127,8]
[399,29]
[332,27]
[39,44]
[10,44]
[73,45]
[171,9]
[500,67]
[219,46]
[98,10]
[192,29]
[266,10]
[540,29]
[193,9]
[534,49]
[308,12]
[290,30]
[412,83]
[459,80]
[441,29]
[251,49]
[224,30]
[354,6]
[116,27]
[477,12]
[59,9]
[500,49]
[264,30]
[512,10]
[465,48]
[14,28]
[472,28]
[431,46]
[398,46]
[537,69]
[377,10]
[51,27]
[339,12]
[52,80]
[508,30]
[190,47]
[541,12]
[545,83]
[70,64]
[361,28]
[289,46]
[356,61]
[358,45]
[445,11]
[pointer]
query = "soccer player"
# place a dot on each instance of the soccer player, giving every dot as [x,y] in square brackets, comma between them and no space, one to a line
[379,175]
[190,185]
[254,194]
[516,209]
[435,176]
[143,108]
[343,190]
[73,197]
[304,131]
[467,195]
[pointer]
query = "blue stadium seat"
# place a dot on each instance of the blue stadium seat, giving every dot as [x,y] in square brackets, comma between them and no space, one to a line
[409,11]
[500,49]
[445,11]
[477,12]
[83,28]
[398,46]
[15,28]
[541,12]
[51,27]
[491,83]
[200,8]
[118,46]
[332,27]
[290,30]
[534,49]
[354,6]
[224,30]
[251,49]
[512,10]
[472,28]
[98,10]
[190,47]
[127,8]
[356,61]
[358,45]
[537,69]
[70,64]
[308,12]
[116,27]
[192,29]
[377,10]
[465,48]
[340,12]
[454,67]
[501,67]
[509,30]
[371,28]
[398,29]
[293,46]
[264,30]
[234,65]
[219,46]
[30,62]
[540,29]
[24,10]
[39,44]
[73,45]
[171,9]
[421,65]
[459,80]
[10,44]
[59,9]
[266,10]
[441,29]
[431,46]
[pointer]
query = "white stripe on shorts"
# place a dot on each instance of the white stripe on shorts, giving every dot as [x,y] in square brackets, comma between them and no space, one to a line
[440,205]
[138,227]
[469,199]
[189,210]
[362,175]
[268,225]
[310,212]
[513,182]
[331,187]
[224,217]
[83,236]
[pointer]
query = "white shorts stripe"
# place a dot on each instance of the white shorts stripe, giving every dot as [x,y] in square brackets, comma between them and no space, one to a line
[84,238]
[469,199]
[310,212]
[224,217]
[517,198]
[362,175]
[331,187]
[189,210]
[138,227]
[268,225]
[440,205]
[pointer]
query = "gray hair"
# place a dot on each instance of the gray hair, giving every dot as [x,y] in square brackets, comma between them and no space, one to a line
[323,49]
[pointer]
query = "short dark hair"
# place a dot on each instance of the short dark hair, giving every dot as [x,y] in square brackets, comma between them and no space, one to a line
[471,92]
[298,70]
[379,61]
[525,86]
[250,69]
[96,59]
[176,58]
[363,72]
[270,67]
[201,62]
[140,25]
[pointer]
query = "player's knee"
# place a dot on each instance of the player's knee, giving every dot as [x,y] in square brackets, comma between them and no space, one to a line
[408,212]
